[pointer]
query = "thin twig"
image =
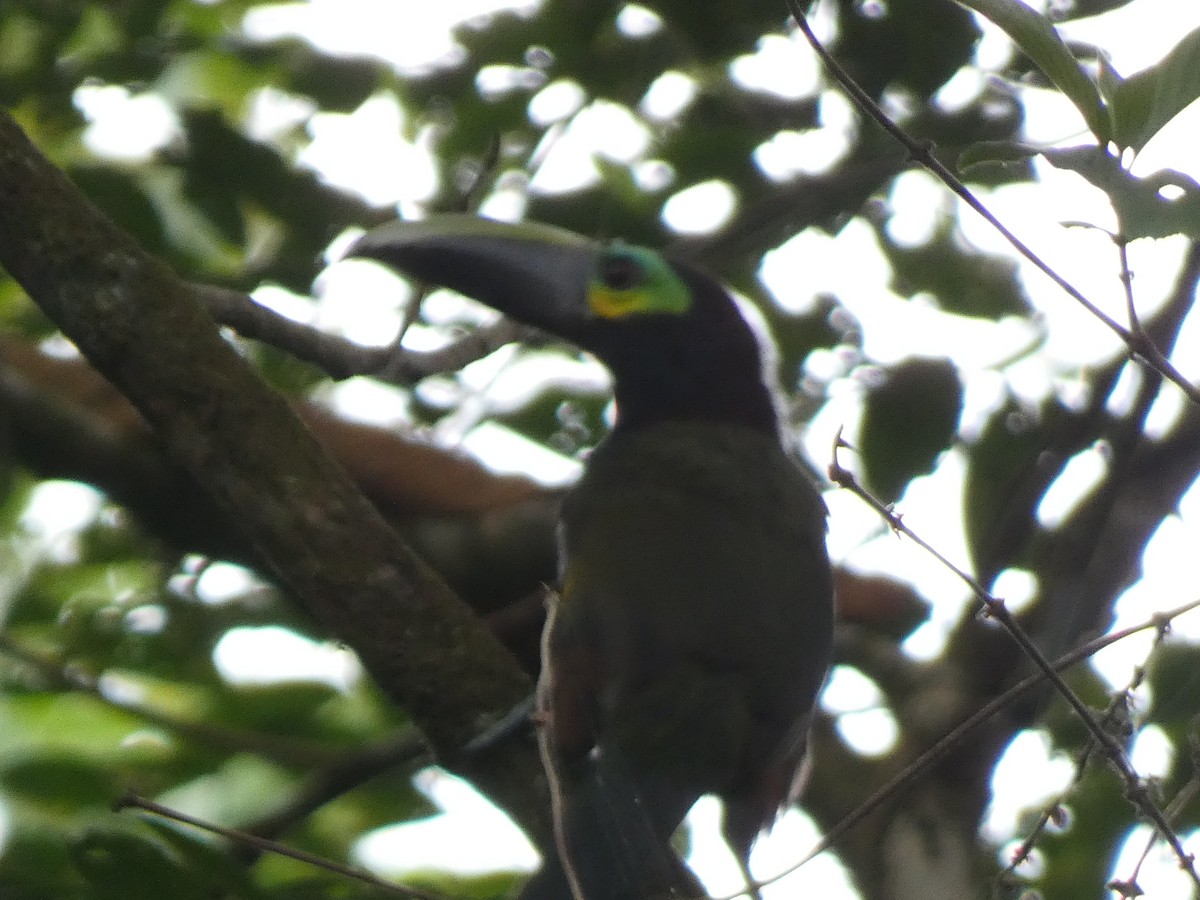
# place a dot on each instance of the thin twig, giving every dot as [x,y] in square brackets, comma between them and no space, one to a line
[958,734]
[340,358]
[1135,788]
[133,801]
[1117,708]
[1128,887]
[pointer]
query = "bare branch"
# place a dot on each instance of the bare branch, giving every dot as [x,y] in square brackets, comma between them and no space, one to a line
[133,801]
[340,358]
[964,729]
[1135,788]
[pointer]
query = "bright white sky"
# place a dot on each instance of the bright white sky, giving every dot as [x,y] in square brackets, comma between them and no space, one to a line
[366,151]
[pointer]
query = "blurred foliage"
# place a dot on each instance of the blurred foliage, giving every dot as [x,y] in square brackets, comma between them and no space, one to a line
[108,682]
[909,418]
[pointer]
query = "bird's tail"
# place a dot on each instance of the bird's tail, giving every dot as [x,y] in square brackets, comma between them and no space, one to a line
[614,848]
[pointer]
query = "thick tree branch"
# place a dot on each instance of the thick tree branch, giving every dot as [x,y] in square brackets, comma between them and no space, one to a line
[489,535]
[145,331]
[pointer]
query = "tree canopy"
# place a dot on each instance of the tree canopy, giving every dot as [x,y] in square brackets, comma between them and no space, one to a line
[182,470]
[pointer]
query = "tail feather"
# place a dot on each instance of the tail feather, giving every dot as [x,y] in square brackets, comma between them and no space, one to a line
[615,839]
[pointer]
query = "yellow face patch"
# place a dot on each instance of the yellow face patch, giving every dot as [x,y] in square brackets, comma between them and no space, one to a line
[635,281]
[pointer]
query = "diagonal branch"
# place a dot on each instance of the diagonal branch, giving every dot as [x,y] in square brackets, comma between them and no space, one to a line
[144,330]
[1136,789]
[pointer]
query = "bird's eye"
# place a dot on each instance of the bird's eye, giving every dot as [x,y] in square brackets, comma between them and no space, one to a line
[619,272]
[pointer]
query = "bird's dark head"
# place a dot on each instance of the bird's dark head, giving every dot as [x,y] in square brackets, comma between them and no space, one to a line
[674,339]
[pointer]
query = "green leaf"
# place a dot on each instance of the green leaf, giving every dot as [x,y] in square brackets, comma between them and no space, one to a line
[1001,465]
[285,708]
[242,789]
[209,862]
[70,723]
[1164,203]
[716,140]
[1147,100]
[123,196]
[207,79]
[908,420]
[1036,37]
[962,280]
[118,863]
[1004,153]
[894,47]
[724,28]
[35,864]
[61,781]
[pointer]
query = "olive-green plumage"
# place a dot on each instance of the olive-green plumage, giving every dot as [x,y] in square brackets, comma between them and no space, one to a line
[693,625]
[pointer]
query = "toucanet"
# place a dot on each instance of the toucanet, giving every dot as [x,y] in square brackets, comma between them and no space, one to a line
[692,626]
